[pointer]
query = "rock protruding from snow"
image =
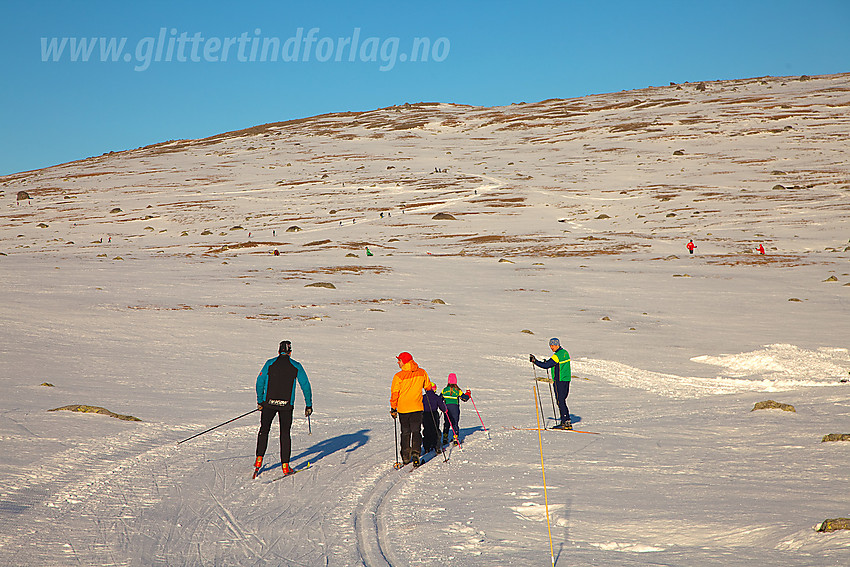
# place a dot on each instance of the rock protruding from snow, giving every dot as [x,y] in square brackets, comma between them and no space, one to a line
[834,524]
[96,409]
[836,437]
[770,404]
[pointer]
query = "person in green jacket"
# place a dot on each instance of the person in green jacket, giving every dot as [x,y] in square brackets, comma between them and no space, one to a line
[452,395]
[559,364]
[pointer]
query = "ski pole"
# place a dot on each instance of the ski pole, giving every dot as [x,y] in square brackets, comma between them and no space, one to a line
[395,426]
[309,427]
[219,425]
[536,380]
[537,388]
[545,492]
[552,392]
[471,399]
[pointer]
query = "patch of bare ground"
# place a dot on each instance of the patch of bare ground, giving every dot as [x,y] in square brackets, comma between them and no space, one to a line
[23,176]
[332,270]
[179,307]
[241,246]
[619,150]
[268,317]
[408,206]
[432,184]
[487,238]
[631,126]
[613,106]
[358,245]
[206,179]
[776,260]
[451,235]
[663,102]
[283,183]
[500,201]
[93,174]
[552,247]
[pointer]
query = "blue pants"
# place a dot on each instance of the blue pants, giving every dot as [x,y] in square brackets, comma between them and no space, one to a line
[562,390]
[453,422]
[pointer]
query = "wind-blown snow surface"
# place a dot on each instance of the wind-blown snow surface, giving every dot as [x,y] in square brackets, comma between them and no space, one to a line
[167,308]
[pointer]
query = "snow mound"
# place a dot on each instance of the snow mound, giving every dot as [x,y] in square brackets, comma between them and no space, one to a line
[775,368]
[630,547]
[534,512]
[781,361]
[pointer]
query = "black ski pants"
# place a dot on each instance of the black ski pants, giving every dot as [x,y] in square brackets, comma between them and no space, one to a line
[430,430]
[284,414]
[411,435]
[562,390]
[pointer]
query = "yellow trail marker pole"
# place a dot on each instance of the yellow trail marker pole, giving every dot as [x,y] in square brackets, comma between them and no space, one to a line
[543,468]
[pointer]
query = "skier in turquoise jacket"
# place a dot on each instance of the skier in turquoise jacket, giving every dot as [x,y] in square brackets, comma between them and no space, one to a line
[559,364]
[275,396]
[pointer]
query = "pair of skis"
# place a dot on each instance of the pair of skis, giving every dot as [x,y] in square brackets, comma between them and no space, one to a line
[400,466]
[554,429]
[546,379]
[294,472]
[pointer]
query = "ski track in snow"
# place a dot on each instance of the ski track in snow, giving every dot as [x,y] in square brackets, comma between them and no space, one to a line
[108,484]
[369,524]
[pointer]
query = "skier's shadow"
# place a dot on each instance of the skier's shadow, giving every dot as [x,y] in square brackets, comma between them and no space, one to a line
[349,442]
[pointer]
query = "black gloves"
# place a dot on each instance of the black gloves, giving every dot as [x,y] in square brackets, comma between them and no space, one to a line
[307,411]
[394,413]
[531,358]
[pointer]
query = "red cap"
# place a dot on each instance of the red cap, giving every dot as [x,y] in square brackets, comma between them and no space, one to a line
[405,357]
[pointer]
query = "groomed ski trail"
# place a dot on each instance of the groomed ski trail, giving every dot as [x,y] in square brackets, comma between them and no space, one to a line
[369,524]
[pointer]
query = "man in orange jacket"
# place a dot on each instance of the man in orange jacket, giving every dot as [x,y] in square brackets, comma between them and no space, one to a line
[406,405]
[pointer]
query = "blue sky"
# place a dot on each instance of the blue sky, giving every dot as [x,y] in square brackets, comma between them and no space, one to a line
[481,53]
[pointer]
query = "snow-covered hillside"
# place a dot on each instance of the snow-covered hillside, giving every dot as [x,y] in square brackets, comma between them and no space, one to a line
[155,282]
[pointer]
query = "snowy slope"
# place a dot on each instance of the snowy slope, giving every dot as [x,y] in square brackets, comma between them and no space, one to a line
[145,282]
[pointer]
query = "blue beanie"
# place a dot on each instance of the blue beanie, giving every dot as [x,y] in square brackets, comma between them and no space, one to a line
[554,342]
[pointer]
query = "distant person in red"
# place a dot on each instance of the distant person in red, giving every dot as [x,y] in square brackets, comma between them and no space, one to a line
[690,246]
[760,249]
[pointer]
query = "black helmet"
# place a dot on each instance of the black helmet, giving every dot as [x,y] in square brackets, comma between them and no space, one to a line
[285,347]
